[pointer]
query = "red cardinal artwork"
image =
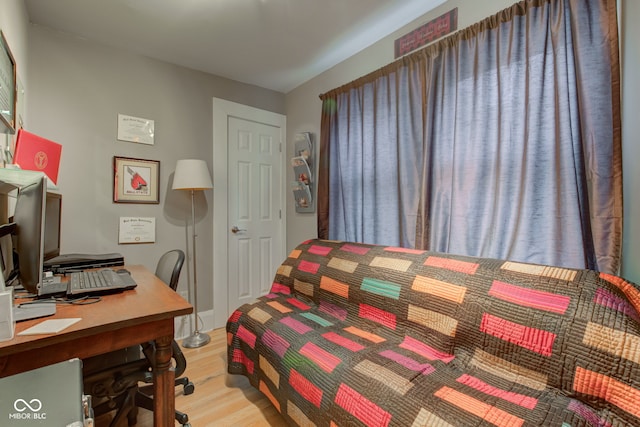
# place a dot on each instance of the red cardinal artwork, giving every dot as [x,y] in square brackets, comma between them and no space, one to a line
[137,182]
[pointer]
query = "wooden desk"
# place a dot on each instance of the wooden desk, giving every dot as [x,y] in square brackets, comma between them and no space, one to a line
[118,321]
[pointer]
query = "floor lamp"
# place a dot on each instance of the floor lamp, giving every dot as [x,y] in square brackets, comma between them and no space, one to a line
[193,175]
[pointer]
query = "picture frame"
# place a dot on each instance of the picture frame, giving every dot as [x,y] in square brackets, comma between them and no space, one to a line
[134,230]
[136,180]
[136,129]
[8,88]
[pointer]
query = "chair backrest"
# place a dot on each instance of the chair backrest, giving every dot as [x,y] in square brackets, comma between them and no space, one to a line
[169,267]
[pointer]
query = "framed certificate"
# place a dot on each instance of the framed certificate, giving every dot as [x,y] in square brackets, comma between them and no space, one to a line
[137,230]
[135,129]
[8,88]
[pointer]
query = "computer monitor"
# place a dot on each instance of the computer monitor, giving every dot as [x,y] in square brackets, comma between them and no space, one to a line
[53,215]
[29,217]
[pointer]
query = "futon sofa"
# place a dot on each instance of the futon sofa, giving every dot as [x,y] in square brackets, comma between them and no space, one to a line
[362,335]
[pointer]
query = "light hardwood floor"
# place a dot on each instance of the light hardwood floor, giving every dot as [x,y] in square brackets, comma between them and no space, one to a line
[220,399]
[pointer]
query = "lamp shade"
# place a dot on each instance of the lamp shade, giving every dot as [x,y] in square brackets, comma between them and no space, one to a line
[192,174]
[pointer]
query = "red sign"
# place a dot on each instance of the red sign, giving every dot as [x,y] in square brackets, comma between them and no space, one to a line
[427,33]
[36,153]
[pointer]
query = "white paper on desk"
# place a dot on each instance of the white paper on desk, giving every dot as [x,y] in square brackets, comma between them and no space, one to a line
[51,326]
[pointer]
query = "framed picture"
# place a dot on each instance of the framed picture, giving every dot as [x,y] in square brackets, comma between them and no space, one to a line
[8,88]
[136,180]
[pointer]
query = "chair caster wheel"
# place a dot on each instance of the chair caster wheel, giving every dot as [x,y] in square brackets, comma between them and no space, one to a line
[189,388]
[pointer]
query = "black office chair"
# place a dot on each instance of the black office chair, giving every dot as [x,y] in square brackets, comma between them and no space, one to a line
[168,270]
[117,387]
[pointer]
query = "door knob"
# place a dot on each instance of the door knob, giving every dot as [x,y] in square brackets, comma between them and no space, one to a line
[235,229]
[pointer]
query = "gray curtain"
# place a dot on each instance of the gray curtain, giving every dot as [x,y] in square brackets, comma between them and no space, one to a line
[376,167]
[501,141]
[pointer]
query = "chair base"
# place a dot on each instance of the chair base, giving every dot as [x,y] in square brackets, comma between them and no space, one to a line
[123,405]
[145,401]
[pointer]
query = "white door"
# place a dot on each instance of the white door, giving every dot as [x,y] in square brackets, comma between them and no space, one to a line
[254,209]
[251,245]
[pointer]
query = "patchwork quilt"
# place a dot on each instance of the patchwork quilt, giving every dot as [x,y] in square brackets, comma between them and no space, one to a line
[362,335]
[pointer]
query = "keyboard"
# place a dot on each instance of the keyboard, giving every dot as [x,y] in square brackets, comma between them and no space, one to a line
[104,281]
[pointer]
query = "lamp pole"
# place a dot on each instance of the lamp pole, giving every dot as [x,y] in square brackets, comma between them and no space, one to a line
[197,339]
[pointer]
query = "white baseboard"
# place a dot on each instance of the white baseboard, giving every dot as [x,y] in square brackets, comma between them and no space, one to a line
[185,325]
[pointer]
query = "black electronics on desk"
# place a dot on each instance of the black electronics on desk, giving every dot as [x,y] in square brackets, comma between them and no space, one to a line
[76,262]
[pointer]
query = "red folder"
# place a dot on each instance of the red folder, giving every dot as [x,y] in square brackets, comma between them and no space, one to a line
[36,153]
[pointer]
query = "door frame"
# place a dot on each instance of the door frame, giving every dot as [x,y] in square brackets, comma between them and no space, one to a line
[222,110]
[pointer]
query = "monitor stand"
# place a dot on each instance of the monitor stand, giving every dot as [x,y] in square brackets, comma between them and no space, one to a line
[51,286]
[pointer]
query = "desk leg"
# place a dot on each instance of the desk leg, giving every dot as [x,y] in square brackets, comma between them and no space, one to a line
[164,384]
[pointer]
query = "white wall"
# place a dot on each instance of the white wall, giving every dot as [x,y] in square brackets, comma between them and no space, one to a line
[303,112]
[631,138]
[76,90]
